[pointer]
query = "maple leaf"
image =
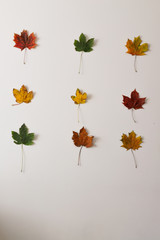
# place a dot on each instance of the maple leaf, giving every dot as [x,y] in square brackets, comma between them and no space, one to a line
[135,48]
[79,98]
[134,102]
[83,45]
[23,95]
[82,139]
[131,142]
[25,41]
[23,137]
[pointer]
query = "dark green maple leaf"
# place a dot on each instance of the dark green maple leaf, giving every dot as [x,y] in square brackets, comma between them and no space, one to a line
[23,137]
[83,45]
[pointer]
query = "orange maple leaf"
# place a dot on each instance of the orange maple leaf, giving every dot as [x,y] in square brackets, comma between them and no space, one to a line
[135,48]
[82,140]
[24,40]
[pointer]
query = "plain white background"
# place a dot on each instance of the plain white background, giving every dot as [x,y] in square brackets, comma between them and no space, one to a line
[105,198]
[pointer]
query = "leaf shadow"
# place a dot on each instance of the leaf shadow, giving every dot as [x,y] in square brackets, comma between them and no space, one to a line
[95,42]
[36,136]
[37,39]
[95,141]
[147,101]
[149,47]
[89,97]
[34,94]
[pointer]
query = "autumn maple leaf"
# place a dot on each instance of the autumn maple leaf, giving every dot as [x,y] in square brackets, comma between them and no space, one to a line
[134,102]
[131,142]
[22,96]
[80,98]
[25,41]
[135,48]
[82,139]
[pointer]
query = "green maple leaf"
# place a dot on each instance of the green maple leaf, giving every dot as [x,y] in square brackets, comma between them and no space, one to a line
[83,45]
[23,137]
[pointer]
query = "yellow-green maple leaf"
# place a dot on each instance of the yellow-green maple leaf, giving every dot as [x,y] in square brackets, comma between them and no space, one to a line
[135,47]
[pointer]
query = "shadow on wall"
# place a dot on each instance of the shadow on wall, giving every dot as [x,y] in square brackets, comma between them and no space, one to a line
[20,229]
[2,235]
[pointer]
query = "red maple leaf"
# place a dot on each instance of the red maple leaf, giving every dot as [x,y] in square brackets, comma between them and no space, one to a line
[24,40]
[134,102]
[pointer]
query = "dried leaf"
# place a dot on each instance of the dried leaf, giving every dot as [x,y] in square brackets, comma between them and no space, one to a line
[23,95]
[134,101]
[82,140]
[135,47]
[79,98]
[24,40]
[131,141]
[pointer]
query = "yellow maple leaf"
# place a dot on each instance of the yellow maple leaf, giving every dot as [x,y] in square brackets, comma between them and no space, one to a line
[80,98]
[131,141]
[23,95]
[135,47]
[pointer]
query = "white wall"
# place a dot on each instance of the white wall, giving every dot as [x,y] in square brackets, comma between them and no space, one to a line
[105,198]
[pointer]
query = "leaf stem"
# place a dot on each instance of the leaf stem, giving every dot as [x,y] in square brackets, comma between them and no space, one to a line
[80,62]
[16,104]
[79,156]
[134,158]
[22,162]
[133,116]
[78,112]
[135,61]
[24,59]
